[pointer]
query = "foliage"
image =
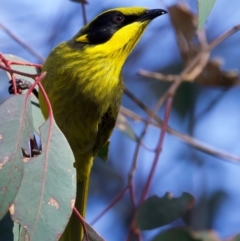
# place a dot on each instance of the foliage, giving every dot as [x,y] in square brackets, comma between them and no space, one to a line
[37,179]
[156,212]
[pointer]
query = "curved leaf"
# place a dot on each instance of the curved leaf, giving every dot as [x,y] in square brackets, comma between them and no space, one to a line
[236,238]
[92,234]
[204,9]
[156,212]
[47,194]
[123,125]
[16,129]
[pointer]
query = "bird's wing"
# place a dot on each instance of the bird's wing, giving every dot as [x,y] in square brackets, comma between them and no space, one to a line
[105,128]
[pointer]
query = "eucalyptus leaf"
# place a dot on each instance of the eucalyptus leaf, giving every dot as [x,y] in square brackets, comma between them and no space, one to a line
[156,212]
[204,9]
[236,238]
[47,194]
[123,125]
[16,231]
[92,234]
[16,129]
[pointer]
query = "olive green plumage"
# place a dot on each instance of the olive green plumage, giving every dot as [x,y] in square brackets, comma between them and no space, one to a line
[84,85]
[86,119]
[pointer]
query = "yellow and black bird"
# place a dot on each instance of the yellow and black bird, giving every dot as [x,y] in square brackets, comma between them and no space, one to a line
[84,84]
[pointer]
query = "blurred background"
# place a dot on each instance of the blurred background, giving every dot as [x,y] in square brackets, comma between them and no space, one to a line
[208,113]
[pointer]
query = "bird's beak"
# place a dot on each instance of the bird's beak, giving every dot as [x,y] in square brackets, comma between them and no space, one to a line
[151,14]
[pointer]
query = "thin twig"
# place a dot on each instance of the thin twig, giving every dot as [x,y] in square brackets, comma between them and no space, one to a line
[156,75]
[137,233]
[132,170]
[222,37]
[25,64]
[7,66]
[119,197]
[178,79]
[84,13]
[159,147]
[40,58]
[12,71]
[135,117]
[191,65]
[82,222]
[133,230]
[188,139]
[135,158]
[8,63]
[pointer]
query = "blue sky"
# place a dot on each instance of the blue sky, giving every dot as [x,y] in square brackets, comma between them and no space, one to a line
[44,24]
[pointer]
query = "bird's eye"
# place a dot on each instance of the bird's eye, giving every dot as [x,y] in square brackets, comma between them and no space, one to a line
[118,18]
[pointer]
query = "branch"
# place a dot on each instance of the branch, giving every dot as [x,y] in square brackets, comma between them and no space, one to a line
[185,73]
[84,13]
[189,140]
[40,58]
[159,147]
[82,222]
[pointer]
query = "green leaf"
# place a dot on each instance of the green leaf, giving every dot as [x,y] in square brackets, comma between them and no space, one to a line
[19,233]
[204,9]
[123,125]
[38,118]
[177,234]
[236,238]
[45,199]
[24,236]
[92,234]
[156,212]
[16,231]
[16,129]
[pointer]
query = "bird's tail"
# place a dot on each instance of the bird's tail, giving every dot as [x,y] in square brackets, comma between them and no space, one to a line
[74,230]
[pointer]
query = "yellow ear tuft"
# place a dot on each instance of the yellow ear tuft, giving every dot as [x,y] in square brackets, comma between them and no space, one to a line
[82,39]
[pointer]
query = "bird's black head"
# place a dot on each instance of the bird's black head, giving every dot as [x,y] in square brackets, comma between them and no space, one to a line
[104,26]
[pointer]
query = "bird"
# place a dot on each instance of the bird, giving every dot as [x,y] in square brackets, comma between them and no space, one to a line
[84,84]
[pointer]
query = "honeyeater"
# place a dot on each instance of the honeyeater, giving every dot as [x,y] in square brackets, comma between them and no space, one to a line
[84,85]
